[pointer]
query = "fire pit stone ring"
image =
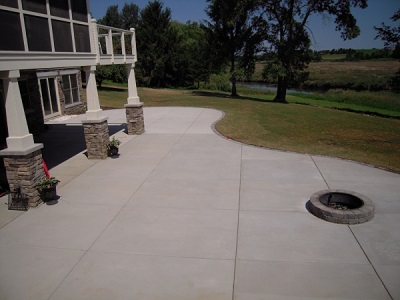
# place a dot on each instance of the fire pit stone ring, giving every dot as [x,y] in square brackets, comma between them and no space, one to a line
[341,206]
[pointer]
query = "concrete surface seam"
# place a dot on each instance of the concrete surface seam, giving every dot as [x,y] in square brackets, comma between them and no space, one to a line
[320,172]
[376,272]
[238,224]
[70,271]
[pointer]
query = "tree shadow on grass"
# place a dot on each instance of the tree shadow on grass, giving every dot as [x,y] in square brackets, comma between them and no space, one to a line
[226,96]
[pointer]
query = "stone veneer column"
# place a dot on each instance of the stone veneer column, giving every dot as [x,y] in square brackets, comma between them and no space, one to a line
[97,138]
[22,158]
[95,126]
[134,118]
[134,108]
[25,172]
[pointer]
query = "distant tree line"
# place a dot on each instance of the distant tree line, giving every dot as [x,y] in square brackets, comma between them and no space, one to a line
[370,54]
[224,50]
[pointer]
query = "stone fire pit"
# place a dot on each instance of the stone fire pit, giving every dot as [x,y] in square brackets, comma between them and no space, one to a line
[340,206]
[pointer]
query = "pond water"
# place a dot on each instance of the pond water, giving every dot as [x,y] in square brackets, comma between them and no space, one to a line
[260,86]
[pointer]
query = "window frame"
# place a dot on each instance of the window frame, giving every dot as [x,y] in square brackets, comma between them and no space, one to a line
[71,89]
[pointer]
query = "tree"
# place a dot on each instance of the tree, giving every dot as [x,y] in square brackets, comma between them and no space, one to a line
[288,37]
[234,34]
[156,42]
[390,35]
[112,17]
[129,16]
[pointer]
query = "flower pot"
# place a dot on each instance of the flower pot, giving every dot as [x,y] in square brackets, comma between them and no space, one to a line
[113,151]
[49,194]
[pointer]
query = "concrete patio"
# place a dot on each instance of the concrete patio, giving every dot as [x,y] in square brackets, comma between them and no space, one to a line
[185,214]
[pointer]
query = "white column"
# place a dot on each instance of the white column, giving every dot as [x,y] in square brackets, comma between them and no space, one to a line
[94,112]
[19,139]
[133,97]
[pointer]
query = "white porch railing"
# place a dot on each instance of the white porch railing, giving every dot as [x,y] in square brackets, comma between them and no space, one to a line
[113,45]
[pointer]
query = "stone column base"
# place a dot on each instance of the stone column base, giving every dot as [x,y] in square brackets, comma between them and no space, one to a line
[25,172]
[97,138]
[134,118]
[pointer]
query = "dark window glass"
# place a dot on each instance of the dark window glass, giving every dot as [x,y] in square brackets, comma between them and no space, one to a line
[59,8]
[70,89]
[10,31]
[9,3]
[82,39]
[38,34]
[79,10]
[62,36]
[35,5]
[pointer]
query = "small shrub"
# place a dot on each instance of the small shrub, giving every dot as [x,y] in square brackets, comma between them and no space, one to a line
[218,82]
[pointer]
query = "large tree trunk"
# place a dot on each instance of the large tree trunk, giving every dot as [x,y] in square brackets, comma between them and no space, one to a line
[234,89]
[281,91]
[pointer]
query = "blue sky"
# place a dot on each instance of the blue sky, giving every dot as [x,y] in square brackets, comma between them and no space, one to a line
[323,29]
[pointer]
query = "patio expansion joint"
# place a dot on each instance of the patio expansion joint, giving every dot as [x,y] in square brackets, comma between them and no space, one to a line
[159,255]
[320,172]
[373,267]
[238,224]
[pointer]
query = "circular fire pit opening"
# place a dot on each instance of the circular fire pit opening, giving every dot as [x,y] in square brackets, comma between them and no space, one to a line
[343,207]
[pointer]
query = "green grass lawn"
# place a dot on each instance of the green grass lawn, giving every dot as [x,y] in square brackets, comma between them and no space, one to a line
[255,119]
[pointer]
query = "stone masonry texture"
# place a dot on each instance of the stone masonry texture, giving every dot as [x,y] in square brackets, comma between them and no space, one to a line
[135,119]
[25,172]
[97,138]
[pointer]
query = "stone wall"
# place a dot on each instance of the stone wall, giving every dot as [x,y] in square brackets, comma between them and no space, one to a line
[25,172]
[134,118]
[97,138]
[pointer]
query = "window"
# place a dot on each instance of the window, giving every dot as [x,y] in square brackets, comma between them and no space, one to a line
[82,41]
[70,89]
[38,34]
[10,31]
[59,8]
[79,10]
[9,3]
[38,6]
[46,26]
[49,97]
[62,36]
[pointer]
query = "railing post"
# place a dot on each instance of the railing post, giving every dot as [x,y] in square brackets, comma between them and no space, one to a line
[133,44]
[123,46]
[109,44]
[94,39]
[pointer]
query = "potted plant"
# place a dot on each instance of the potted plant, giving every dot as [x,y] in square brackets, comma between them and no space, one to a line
[113,147]
[48,189]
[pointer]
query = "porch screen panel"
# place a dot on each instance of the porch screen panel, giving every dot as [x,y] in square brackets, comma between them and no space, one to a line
[79,10]
[38,6]
[59,8]
[9,3]
[62,36]
[82,38]
[38,34]
[10,31]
